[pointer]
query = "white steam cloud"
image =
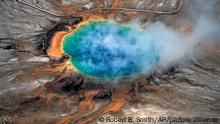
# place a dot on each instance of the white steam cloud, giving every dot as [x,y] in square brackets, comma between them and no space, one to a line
[174,44]
[104,51]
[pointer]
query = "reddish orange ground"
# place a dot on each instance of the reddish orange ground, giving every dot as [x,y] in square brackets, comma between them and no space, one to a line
[124,91]
[55,49]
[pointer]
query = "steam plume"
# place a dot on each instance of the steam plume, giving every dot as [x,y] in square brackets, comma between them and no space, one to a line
[106,50]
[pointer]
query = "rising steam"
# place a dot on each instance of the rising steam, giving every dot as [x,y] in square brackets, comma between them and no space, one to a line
[204,28]
[113,50]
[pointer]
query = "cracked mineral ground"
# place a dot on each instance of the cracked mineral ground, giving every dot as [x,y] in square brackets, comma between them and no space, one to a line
[109,61]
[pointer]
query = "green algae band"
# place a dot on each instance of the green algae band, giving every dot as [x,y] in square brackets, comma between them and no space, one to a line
[109,50]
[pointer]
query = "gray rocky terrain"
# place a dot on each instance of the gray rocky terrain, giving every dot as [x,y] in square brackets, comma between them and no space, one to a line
[191,89]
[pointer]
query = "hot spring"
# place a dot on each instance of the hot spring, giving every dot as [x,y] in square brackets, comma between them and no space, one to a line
[106,49]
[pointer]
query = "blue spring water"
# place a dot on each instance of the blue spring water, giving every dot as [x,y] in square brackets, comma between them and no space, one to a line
[105,49]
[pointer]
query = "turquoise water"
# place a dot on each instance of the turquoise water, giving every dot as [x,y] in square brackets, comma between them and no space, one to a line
[108,50]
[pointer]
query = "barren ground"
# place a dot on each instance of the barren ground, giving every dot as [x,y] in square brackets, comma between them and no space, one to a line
[192,90]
